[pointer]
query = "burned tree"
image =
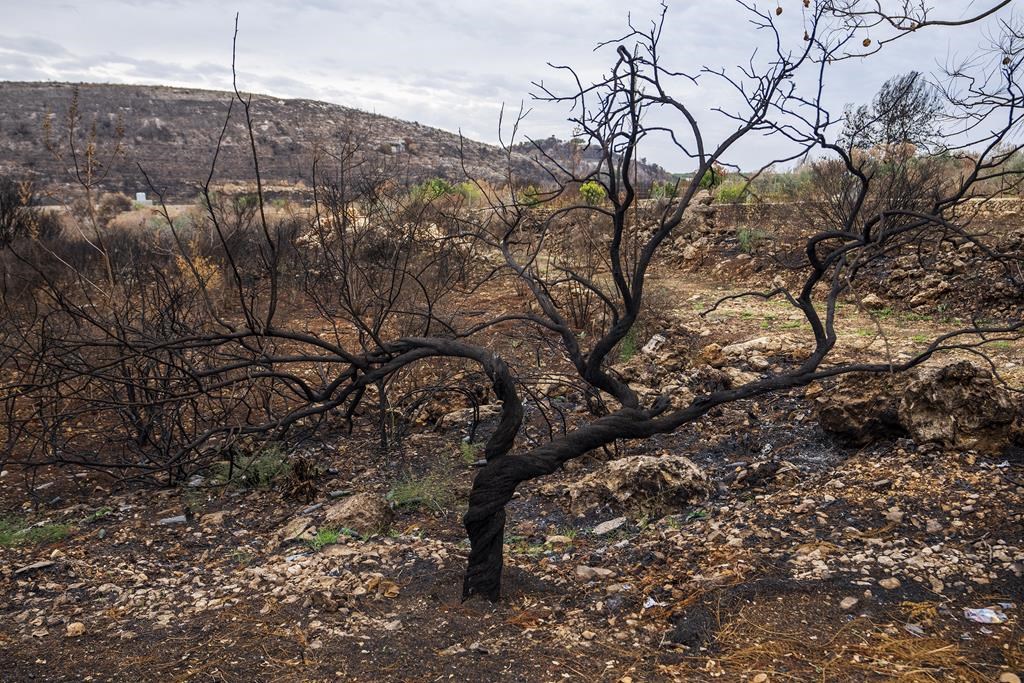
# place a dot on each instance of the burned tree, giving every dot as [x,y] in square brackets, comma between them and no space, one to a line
[385,275]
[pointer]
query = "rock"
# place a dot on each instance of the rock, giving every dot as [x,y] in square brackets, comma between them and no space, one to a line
[364,513]
[873,302]
[846,604]
[895,515]
[860,409]
[465,416]
[761,472]
[75,629]
[558,540]
[933,526]
[712,355]
[890,583]
[738,378]
[213,519]
[758,363]
[654,344]
[297,529]
[929,295]
[958,405]
[585,573]
[588,635]
[609,526]
[651,485]
[34,566]
[171,521]
[776,345]
[1009,677]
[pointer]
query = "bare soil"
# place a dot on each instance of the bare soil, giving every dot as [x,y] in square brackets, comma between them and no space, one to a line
[747,585]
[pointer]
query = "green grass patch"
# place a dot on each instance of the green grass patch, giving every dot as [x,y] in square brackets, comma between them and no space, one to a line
[15,532]
[324,537]
[628,345]
[469,453]
[433,490]
[97,515]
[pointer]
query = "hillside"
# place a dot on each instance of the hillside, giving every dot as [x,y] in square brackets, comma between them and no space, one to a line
[172,133]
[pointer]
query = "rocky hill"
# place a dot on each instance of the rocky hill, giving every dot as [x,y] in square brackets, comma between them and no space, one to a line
[172,134]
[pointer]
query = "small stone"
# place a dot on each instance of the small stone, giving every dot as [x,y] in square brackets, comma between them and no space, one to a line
[933,526]
[873,302]
[589,635]
[75,629]
[34,566]
[894,515]
[889,584]
[760,678]
[170,521]
[609,526]
[585,573]
[1009,677]
[213,519]
[298,529]
[848,603]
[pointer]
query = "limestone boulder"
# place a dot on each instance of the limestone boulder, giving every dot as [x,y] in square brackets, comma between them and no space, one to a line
[860,409]
[364,513]
[641,484]
[958,405]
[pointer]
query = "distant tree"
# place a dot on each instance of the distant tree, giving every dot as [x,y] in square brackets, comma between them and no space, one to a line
[905,111]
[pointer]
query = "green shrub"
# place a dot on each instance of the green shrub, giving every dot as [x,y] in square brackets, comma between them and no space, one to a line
[592,192]
[731,192]
[750,239]
[469,192]
[432,189]
[711,178]
[258,470]
[530,196]
[665,190]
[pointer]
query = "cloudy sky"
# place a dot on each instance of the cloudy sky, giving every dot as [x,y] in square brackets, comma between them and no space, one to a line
[449,64]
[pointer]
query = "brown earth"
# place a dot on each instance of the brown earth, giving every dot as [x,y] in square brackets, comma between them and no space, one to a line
[811,560]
